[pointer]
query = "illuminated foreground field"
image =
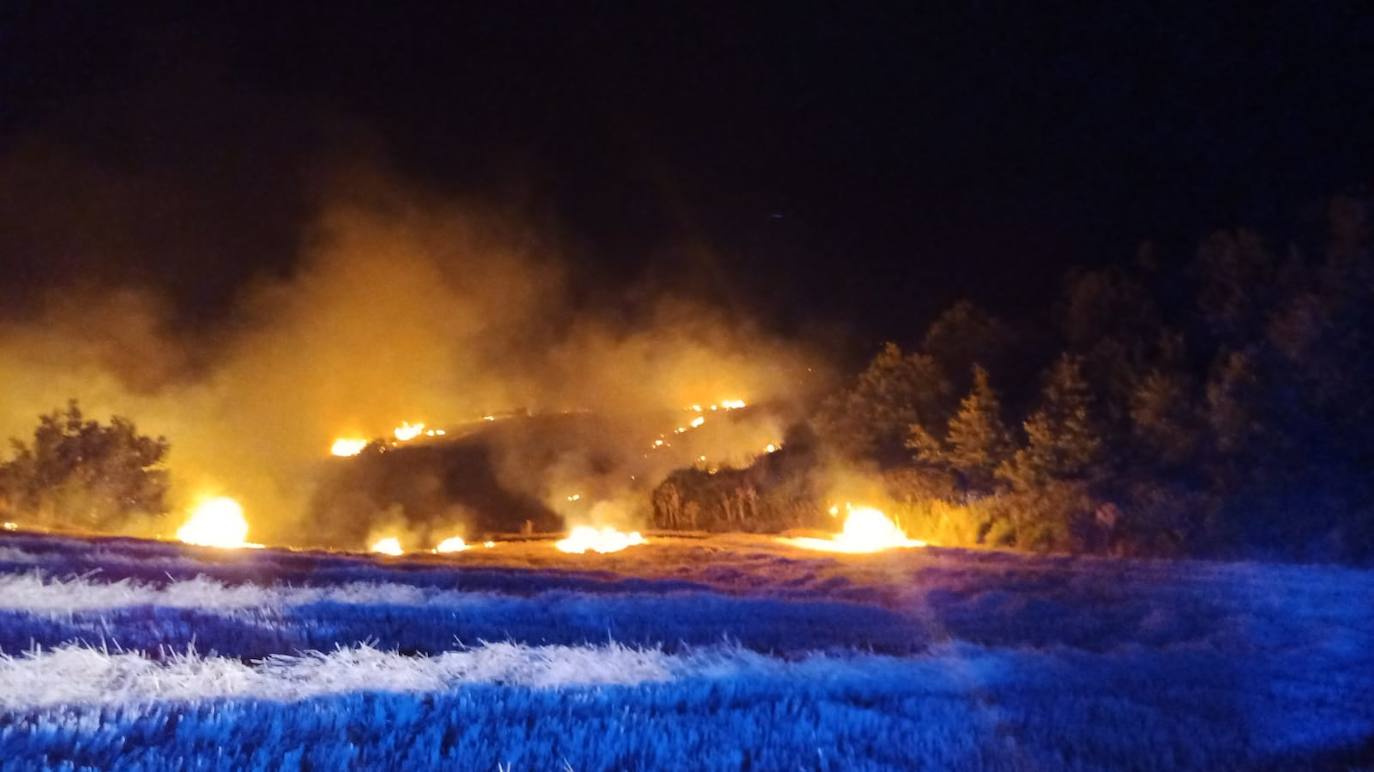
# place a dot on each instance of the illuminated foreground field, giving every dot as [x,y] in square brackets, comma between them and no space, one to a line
[726,652]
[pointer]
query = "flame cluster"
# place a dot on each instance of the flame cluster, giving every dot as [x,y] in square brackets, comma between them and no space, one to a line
[216,522]
[346,446]
[585,538]
[866,529]
[451,544]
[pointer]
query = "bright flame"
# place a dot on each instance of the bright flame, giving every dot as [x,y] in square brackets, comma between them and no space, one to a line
[575,497]
[698,421]
[770,448]
[488,544]
[731,404]
[9,526]
[451,544]
[388,546]
[866,529]
[348,446]
[216,522]
[603,540]
[408,431]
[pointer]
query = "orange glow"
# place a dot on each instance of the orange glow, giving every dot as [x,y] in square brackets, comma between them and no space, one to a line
[388,546]
[451,544]
[866,529]
[347,446]
[216,522]
[585,538]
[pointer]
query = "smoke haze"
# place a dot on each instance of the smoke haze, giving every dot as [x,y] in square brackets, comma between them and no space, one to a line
[400,306]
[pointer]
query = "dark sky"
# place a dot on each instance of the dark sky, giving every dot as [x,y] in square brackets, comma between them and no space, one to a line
[856,166]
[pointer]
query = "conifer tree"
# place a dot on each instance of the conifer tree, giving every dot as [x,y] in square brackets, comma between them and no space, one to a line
[872,417]
[977,441]
[1064,439]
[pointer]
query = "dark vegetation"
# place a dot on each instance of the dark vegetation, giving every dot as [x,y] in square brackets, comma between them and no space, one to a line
[425,486]
[79,473]
[1218,405]
[775,493]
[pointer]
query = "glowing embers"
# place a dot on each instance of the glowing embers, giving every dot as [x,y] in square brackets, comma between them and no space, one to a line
[388,545]
[347,446]
[216,522]
[585,538]
[866,529]
[699,420]
[451,544]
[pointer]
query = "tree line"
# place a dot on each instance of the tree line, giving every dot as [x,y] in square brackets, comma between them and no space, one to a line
[1218,404]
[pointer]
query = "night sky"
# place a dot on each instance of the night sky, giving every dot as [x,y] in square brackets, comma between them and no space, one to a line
[820,164]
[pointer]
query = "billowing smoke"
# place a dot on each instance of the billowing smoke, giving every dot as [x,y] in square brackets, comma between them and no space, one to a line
[401,307]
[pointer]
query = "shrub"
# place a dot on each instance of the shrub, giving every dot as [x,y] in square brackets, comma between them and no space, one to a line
[79,473]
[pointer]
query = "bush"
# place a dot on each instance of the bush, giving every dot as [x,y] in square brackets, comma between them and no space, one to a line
[79,473]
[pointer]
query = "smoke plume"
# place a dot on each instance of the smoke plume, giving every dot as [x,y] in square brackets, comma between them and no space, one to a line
[400,306]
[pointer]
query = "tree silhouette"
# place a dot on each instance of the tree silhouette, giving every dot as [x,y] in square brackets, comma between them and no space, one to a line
[80,473]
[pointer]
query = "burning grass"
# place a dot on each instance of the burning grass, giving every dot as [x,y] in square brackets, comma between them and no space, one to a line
[866,529]
[586,538]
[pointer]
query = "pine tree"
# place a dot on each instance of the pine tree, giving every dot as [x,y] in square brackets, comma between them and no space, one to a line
[977,441]
[1064,439]
[873,417]
[1162,417]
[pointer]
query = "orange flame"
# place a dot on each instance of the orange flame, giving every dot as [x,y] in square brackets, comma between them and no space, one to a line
[347,446]
[451,544]
[866,529]
[408,431]
[216,522]
[584,538]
